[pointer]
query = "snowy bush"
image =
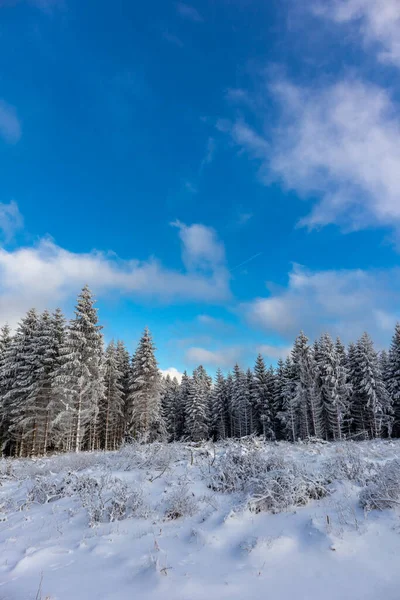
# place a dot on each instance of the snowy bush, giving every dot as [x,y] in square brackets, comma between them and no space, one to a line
[180,503]
[46,489]
[270,481]
[384,489]
[348,464]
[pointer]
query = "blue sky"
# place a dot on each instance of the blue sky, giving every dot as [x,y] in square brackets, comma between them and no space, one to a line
[226,173]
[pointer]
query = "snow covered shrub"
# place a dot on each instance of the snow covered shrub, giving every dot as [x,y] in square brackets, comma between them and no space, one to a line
[384,489]
[180,503]
[46,489]
[348,464]
[270,481]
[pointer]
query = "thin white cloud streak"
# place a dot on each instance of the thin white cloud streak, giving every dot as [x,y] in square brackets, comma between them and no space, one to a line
[274,352]
[46,274]
[342,302]
[340,144]
[186,11]
[377,23]
[10,220]
[213,358]
[10,125]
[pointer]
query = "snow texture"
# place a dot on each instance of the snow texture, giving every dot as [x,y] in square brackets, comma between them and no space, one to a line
[194,521]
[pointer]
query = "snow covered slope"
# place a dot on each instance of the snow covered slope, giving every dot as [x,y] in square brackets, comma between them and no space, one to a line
[181,522]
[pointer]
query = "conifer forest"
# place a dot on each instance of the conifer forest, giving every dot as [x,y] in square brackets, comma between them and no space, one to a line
[61,390]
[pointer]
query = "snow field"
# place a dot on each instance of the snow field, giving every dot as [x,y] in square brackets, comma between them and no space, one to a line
[233,520]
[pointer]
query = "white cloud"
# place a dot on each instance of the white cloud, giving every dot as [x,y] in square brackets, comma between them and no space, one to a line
[226,357]
[340,144]
[274,352]
[188,12]
[47,274]
[10,126]
[172,372]
[343,302]
[10,220]
[378,21]
[201,247]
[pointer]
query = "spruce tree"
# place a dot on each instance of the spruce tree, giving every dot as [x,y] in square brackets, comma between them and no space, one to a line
[219,407]
[79,381]
[197,417]
[5,344]
[111,406]
[371,403]
[144,400]
[334,387]
[393,378]
[19,377]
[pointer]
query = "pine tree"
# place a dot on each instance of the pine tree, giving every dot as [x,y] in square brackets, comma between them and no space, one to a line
[241,407]
[171,408]
[288,400]
[307,398]
[111,405]
[79,381]
[219,407]
[124,368]
[393,377]
[19,378]
[146,420]
[334,386]
[197,416]
[278,400]
[371,404]
[5,344]
[262,398]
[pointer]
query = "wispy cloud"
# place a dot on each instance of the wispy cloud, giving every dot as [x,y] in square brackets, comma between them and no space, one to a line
[186,11]
[47,274]
[274,352]
[10,125]
[10,220]
[339,144]
[173,39]
[225,357]
[343,302]
[377,21]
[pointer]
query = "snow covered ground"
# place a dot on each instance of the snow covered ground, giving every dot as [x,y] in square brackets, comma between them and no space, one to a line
[179,522]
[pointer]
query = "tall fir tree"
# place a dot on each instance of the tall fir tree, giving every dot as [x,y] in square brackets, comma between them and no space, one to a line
[5,344]
[371,403]
[111,405]
[197,416]
[219,408]
[393,378]
[144,400]
[79,381]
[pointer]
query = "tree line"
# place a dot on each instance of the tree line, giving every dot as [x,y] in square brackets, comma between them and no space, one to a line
[61,390]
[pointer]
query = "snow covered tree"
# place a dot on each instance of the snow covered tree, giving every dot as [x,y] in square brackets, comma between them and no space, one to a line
[262,397]
[287,390]
[219,407]
[144,400]
[334,387]
[371,404]
[393,378]
[197,418]
[124,368]
[111,405]
[79,383]
[5,343]
[171,408]
[307,398]
[240,402]
[19,369]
